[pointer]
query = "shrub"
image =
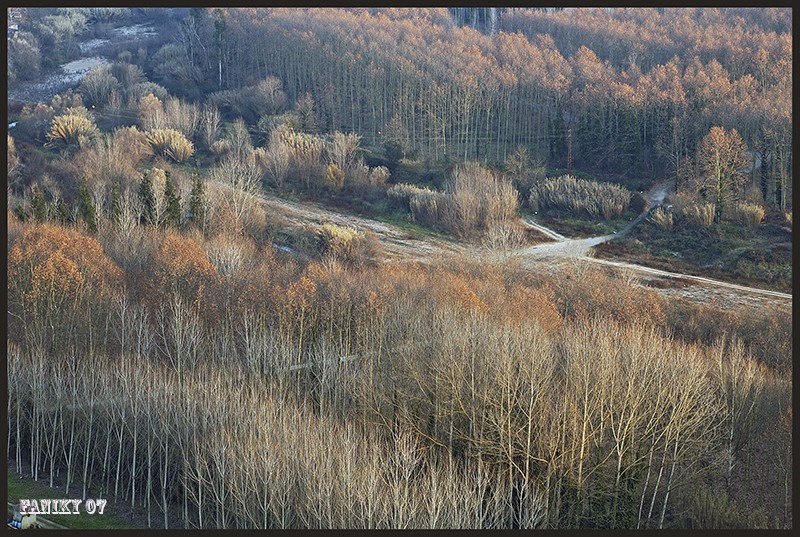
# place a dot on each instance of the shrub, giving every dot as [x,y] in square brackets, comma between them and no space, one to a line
[24,56]
[127,74]
[334,177]
[113,157]
[661,218]
[63,101]
[335,239]
[220,148]
[504,237]
[34,121]
[267,97]
[401,194]
[598,200]
[141,89]
[477,199]
[183,117]
[98,85]
[346,244]
[379,176]
[428,207]
[170,143]
[151,112]
[134,144]
[239,136]
[12,160]
[172,114]
[209,124]
[276,160]
[748,214]
[341,149]
[268,124]
[72,127]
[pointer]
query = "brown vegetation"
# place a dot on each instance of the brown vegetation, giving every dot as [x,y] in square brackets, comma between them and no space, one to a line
[598,200]
[474,200]
[386,396]
[209,380]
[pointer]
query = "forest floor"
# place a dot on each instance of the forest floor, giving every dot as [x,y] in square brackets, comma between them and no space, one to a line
[400,245]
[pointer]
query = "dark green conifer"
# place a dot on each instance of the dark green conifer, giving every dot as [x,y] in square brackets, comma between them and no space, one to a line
[88,212]
[147,199]
[197,201]
[172,202]
[38,204]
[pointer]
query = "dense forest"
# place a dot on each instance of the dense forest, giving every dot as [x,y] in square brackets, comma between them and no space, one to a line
[202,360]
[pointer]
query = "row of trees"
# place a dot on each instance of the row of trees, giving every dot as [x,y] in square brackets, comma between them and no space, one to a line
[462,95]
[499,397]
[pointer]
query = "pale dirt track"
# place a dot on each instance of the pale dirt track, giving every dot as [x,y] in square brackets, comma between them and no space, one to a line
[398,246]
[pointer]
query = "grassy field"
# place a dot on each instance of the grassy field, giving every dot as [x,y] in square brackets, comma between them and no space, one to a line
[19,487]
[755,256]
[578,226]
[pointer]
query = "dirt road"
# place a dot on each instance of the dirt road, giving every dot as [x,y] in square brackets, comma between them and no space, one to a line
[399,245]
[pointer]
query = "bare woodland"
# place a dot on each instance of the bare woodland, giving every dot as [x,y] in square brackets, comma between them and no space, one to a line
[163,353]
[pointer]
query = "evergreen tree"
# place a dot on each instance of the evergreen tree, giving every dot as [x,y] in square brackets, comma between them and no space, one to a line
[147,199]
[62,213]
[20,212]
[88,211]
[38,205]
[172,202]
[197,201]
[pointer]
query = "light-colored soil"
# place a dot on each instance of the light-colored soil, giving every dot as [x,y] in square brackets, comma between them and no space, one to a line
[396,242]
[399,246]
[71,73]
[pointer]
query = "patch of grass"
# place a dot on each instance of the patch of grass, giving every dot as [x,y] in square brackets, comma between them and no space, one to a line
[402,219]
[581,226]
[755,256]
[19,487]
[298,239]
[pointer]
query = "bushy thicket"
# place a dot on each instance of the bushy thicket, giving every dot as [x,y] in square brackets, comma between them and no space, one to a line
[170,143]
[598,200]
[347,244]
[474,200]
[398,396]
[73,127]
[401,194]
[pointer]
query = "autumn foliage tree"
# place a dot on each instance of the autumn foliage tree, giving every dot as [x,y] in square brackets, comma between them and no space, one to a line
[181,266]
[721,159]
[53,272]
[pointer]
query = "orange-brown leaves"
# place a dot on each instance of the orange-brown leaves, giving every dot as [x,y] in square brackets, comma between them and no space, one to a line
[301,294]
[180,265]
[48,264]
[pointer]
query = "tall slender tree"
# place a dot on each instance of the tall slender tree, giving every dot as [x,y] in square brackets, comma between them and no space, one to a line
[147,199]
[87,209]
[172,203]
